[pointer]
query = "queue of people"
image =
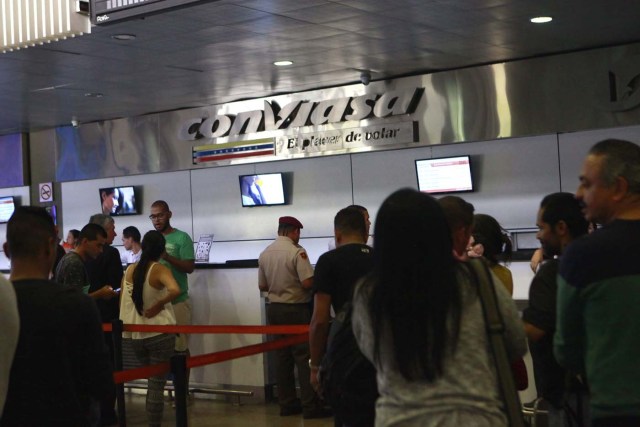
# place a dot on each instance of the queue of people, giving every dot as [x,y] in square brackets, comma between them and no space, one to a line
[412,304]
[418,319]
[60,339]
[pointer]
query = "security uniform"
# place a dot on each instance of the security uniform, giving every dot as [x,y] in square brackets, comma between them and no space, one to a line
[283,266]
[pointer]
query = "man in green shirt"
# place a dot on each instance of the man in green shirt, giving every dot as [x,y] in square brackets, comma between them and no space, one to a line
[597,324]
[180,258]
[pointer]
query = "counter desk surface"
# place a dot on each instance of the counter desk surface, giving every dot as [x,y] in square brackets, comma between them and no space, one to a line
[236,263]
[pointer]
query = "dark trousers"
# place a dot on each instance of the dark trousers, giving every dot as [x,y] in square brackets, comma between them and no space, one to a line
[622,421]
[294,356]
[108,403]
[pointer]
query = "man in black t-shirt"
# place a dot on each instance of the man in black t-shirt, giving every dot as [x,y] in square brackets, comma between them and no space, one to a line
[61,363]
[559,221]
[335,276]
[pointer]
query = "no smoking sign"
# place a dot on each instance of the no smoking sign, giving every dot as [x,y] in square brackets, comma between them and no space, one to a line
[46,192]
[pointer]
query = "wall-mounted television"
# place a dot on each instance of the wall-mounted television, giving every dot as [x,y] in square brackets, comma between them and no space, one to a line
[445,175]
[116,201]
[7,206]
[262,190]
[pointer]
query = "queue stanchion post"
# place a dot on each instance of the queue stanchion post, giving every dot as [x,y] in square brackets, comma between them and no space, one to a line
[179,371]
[116,336]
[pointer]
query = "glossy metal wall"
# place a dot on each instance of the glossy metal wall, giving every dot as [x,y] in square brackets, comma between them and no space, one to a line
[565,93]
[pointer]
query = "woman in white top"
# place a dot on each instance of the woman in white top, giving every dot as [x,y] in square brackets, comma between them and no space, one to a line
[148,288]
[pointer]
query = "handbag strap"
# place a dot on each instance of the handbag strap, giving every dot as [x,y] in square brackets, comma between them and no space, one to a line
[495,330]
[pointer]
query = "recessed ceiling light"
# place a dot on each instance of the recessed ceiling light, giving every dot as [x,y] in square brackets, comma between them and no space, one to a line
[282,63]
[93,95]
[541,19]
[123,37]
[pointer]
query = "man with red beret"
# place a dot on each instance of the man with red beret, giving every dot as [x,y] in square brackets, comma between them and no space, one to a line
[287,275]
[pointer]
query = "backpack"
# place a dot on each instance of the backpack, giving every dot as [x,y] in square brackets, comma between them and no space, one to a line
[347,377]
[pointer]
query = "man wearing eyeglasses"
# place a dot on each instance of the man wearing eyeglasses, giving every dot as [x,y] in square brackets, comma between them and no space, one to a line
[180,259]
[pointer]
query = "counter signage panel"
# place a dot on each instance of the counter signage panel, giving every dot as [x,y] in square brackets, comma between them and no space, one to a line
[297,114]
[391,132]
[105,12]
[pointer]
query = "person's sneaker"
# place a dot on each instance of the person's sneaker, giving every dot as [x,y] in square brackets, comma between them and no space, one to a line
[317,413]
[286,411]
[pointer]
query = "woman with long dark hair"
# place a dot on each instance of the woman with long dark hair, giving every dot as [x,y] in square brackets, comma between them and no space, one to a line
[148,288]
[419,319]
[492,242]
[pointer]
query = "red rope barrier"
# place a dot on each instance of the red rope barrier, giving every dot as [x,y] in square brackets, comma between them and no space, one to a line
[211,358]
[120,377]
[249,350]
[215,329]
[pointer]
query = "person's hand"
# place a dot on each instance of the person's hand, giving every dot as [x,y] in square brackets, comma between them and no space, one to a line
[106,292]
[474,249]
[164,255]
[536,259]
[153,310]
[314,380]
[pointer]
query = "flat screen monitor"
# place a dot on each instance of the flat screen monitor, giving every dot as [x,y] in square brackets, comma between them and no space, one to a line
[262,190]
[444,175]
[116,201]
[7,206]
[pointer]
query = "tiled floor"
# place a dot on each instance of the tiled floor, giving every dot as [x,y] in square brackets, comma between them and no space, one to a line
[218,413]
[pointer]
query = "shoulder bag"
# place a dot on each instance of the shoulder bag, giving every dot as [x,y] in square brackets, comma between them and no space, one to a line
[495,330]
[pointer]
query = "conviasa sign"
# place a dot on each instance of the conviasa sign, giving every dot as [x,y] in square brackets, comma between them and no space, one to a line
[302,113]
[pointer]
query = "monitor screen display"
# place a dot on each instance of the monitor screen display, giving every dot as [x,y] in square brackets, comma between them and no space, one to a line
[117,201]
[444,175]
[262,190]
[7,206]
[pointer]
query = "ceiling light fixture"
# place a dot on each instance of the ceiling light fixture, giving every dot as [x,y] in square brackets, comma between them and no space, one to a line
[541,19]
[93,95]
[123,37]
[282,63]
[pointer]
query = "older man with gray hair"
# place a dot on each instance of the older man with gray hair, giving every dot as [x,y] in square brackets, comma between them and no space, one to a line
[106,270]
[598,325]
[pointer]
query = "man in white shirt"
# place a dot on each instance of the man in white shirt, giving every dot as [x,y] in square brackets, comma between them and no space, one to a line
[131,241]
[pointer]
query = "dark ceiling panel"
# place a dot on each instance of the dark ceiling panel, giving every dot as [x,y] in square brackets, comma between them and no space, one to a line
[325,13]
[221,51]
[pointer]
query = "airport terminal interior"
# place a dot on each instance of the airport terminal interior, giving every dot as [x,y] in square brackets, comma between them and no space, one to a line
[325,103]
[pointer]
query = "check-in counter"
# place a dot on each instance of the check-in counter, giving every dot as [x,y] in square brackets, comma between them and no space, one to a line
[227,294]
